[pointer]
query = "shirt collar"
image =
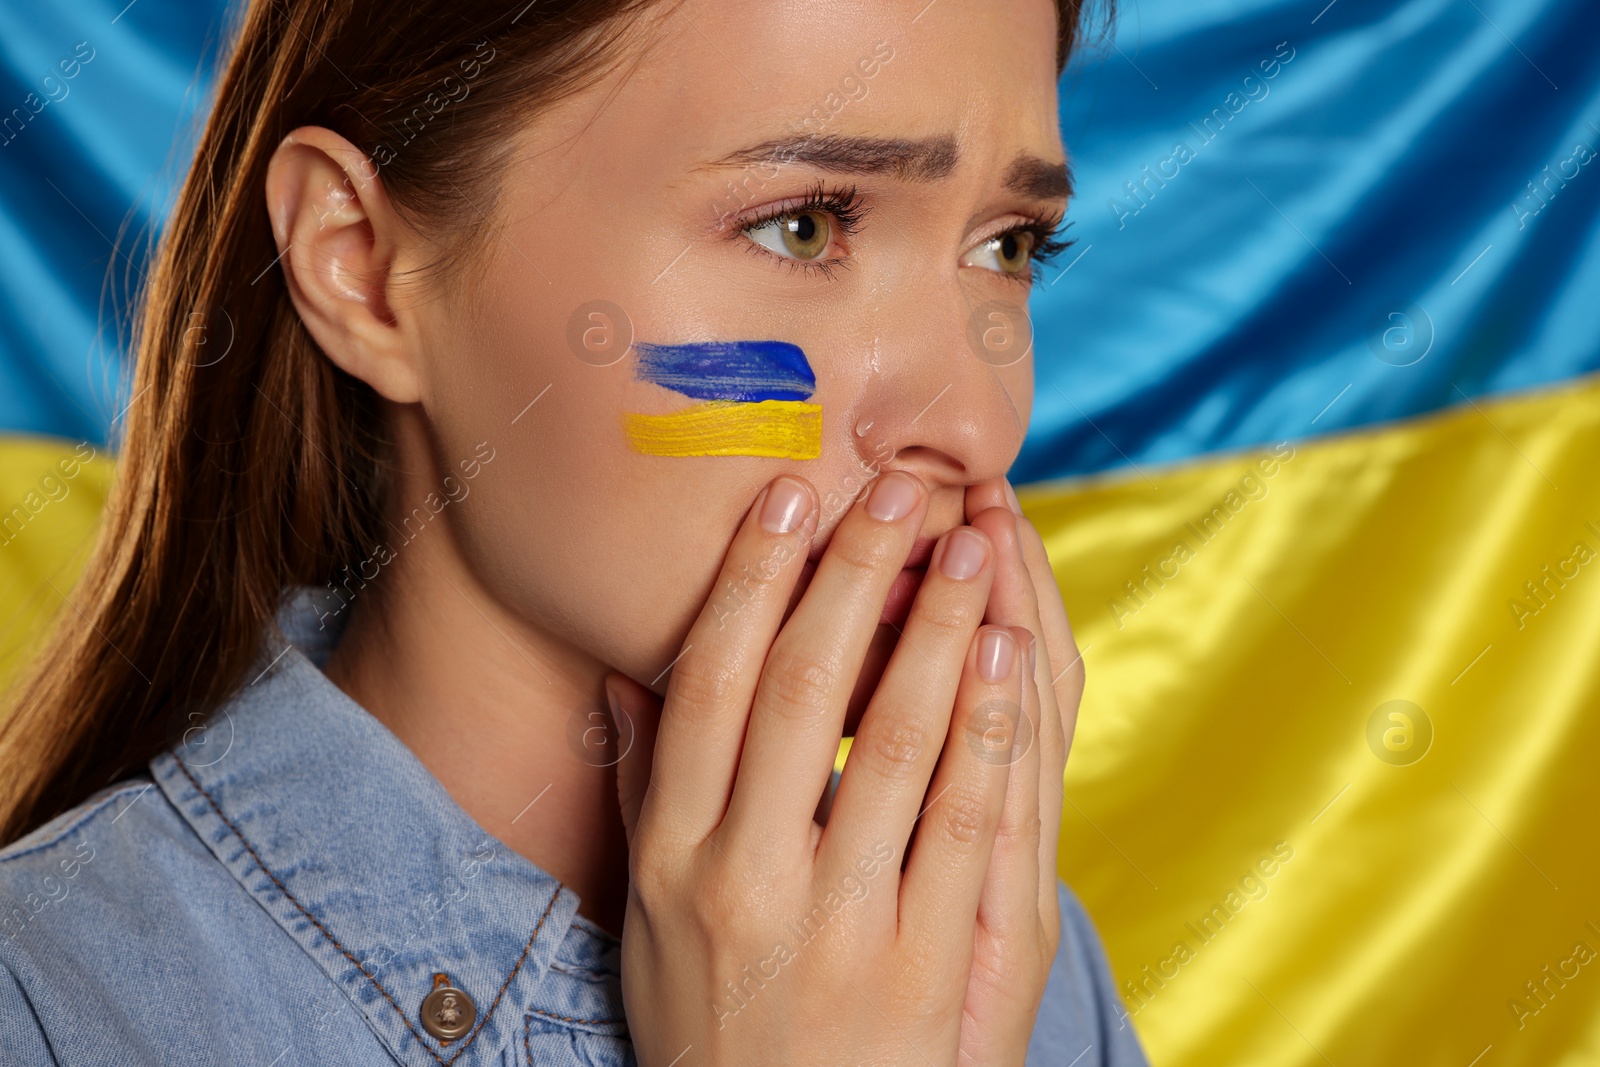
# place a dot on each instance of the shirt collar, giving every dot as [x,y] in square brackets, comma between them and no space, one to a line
[335,828]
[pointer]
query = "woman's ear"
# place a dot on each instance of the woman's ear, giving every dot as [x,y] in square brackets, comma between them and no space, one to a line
[338,241]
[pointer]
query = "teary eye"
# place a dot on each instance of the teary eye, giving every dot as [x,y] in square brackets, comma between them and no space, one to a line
[1008,253]
[809,233]
[1018,253]
[801,235]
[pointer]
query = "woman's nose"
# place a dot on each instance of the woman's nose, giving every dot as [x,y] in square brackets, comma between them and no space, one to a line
[952,391]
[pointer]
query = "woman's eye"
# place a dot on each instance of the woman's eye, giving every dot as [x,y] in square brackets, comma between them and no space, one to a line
[802,235]
[1009,253]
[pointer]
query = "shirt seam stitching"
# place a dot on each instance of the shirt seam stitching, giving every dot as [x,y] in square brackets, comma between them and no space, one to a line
[33,1012]
[80,822]
[290,897]
[527,1029]
[584,972]
[572,1019]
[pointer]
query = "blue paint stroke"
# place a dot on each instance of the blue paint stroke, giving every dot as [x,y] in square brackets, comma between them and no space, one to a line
[729,370]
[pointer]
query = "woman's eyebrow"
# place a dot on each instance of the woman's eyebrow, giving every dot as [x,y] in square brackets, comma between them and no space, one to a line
[1039,179]
[909,159]
[926,159]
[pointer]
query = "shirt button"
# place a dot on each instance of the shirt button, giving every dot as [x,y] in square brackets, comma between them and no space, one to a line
[447,1012]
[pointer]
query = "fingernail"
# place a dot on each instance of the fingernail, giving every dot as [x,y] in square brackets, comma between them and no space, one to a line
[963,554]
[1011,496]
[785,507]
[996,649]
[893,497]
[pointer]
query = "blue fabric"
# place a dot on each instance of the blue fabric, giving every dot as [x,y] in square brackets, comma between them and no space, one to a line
[82,183]
[287,881]
[1232,305]
[284,892]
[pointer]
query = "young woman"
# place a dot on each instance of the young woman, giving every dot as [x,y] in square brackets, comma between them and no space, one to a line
[554,426]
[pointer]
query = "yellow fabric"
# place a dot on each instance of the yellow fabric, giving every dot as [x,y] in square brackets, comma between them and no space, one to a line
[51,493]
[1242,703]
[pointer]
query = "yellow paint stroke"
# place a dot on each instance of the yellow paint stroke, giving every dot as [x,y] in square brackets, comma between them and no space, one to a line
[788,429]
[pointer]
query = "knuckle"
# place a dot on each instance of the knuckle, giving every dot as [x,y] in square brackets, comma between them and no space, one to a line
[1001,971]
[923,997]
[1052,750]
[718,900]
[703,685]
[950,618]
[919,988]
[1023,831]
[858,552]
[893,750]
[963,815]
[991,725]
[919,959]
[796,685]
[652,871]
[927,986]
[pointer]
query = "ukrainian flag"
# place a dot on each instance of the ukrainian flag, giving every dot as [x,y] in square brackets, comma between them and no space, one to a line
[1313,453]
[753,400]
[1314,456]
[97,106]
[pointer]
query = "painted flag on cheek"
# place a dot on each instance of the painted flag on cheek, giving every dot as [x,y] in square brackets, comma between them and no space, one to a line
[753,400]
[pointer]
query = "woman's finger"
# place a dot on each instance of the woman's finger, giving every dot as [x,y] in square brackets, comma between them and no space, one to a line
[902,732]
[1009,907]
[1014,942]
[1061,648]
[950,853]
[1018,599]
[798,715]
[714,678]
[1062,678]
[635,718]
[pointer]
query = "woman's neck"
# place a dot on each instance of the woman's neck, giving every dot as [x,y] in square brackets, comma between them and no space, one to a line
[487,703]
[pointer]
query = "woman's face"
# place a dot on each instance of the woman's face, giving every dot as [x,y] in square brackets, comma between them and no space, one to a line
[625,213]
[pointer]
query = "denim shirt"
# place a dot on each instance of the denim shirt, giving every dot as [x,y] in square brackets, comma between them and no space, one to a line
[288,885]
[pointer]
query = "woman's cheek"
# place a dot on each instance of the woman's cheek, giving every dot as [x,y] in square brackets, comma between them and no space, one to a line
[1020,387]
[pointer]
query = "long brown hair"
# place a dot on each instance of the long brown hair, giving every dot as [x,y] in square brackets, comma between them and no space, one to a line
[247,472]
